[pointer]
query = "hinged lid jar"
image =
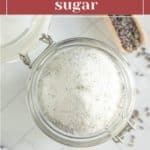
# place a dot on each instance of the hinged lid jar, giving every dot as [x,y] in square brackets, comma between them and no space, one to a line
[63,79]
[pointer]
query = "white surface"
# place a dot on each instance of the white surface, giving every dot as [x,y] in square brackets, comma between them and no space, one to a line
[19,131]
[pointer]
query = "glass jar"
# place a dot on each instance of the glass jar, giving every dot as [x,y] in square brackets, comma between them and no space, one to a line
[124,110]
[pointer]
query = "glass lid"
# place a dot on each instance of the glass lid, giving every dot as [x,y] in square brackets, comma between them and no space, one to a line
[20,32]
[14,27]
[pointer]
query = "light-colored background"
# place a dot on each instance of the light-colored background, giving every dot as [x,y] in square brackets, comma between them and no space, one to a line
[18,129]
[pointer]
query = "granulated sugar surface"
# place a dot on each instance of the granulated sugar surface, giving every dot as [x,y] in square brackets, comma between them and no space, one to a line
[80,91]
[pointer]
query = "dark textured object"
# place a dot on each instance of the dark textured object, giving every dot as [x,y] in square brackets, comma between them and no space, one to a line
[127,31]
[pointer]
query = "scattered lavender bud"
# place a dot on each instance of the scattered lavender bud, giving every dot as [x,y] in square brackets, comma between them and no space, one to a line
[135,114]
[132,137]
[138,54]
[2,147]
[147,109]
[148,66]
[141,74]
[137,91]
[140,120]
[136,73]
[130,144]
[143,49]
[141,127]
[148,114]
[147,57]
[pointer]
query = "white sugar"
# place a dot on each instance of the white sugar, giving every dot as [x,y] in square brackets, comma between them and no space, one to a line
[80,91]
